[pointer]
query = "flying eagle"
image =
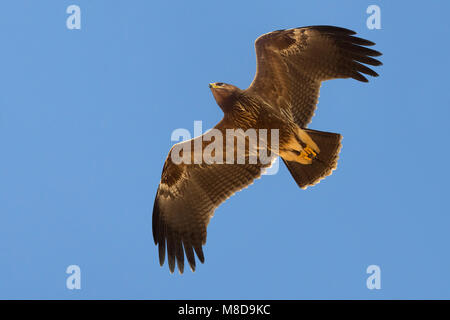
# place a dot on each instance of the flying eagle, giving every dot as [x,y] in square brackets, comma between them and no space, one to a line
[291,65]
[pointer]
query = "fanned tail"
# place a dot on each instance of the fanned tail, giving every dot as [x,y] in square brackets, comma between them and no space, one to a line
[322,165]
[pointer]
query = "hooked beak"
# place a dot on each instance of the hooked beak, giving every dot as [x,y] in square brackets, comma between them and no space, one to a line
[213,86]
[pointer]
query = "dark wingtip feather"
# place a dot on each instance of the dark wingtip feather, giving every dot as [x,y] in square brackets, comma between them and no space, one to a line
[374,53]
[332,30]
[366,60]
[359,77]
[155,219]
[356,49]
[171,252]
[179,254]
[159,231]
[359,41]
[162,252]
[199,251]
[362,68]
[189,255]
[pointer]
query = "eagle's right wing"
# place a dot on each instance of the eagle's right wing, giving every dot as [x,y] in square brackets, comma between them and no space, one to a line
[291,64]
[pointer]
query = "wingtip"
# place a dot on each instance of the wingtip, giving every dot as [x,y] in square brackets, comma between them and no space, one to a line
[376,53]
[359,77]
[333,29]
[155,219]
[200,255]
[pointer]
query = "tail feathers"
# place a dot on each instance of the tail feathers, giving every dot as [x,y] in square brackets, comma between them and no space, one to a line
[322,165]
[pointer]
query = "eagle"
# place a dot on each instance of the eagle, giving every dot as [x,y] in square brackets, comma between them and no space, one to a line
[291,65]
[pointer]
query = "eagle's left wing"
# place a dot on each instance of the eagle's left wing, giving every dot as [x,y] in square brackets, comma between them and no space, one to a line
[187,197]
[291,64]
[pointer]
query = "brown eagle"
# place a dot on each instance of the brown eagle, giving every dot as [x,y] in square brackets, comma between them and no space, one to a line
[291,65]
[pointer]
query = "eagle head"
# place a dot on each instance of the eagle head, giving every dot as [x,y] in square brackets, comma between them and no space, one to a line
[225,94]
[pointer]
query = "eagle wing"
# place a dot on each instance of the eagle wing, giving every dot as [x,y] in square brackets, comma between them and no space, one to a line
[291,64]
[187,197]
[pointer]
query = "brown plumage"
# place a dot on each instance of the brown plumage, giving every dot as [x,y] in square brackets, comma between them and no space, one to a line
[291,65]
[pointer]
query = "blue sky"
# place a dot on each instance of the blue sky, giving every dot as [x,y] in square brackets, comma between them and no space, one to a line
[85,123]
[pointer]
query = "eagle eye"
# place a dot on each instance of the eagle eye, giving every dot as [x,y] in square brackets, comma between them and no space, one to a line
[219,84]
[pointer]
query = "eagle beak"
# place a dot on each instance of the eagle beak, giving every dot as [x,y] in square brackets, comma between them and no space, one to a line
[213,86]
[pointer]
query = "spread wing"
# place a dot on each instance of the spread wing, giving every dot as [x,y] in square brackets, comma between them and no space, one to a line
[186,199]
[291,64]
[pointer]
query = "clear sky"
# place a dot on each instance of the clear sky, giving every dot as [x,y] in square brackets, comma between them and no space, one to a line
[86,118]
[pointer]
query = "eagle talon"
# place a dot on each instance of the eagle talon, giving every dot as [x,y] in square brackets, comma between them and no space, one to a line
[308,153]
